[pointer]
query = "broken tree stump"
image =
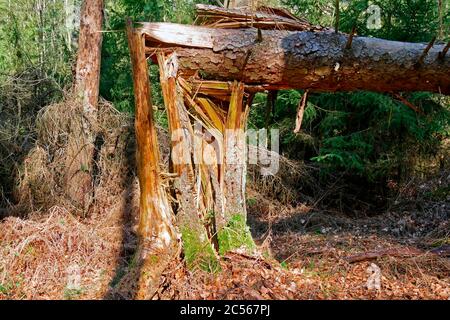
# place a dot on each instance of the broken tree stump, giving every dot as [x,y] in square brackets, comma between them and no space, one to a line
[157,236]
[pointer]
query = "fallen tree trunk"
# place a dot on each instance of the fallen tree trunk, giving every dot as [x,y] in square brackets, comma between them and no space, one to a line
[320,61]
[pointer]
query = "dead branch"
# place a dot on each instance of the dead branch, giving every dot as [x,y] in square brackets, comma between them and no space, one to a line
[371,255]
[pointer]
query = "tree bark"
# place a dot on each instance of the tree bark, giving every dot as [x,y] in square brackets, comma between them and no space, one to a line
[87,76]
[318,61]
[80,164]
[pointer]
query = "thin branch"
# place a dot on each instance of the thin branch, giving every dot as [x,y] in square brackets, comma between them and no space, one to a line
[336,26]
[408,104]
[371,255]
[444,52]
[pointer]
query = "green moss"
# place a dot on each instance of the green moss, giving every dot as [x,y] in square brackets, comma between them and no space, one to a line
[235,235]
[198,253]
[134,262]
[117,277]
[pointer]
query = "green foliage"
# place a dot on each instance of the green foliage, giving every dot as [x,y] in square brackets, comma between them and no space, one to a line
[7,288]
[367,135]
[34,35]
[4,289]
[317,11]
[403,20]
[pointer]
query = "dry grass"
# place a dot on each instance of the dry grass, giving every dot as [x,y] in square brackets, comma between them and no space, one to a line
[38,256]
[45,242]
[42,176]
[321,259]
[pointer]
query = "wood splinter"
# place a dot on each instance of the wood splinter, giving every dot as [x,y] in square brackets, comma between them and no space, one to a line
[301,112]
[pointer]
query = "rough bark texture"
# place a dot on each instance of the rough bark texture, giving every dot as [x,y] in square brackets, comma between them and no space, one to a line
[302,60]
[81,144]
[87,77]
[235,156]
[156,228]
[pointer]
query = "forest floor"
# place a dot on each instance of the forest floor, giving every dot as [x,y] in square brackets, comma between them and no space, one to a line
[310,252]
[303,254]
[303,251]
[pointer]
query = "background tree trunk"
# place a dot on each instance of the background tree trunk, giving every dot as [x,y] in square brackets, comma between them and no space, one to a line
[81,146]
[87,76]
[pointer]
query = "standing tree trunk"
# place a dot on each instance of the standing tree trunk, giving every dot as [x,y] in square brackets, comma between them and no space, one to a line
[209,160]
[192,213]
[80,155]
[87,76]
